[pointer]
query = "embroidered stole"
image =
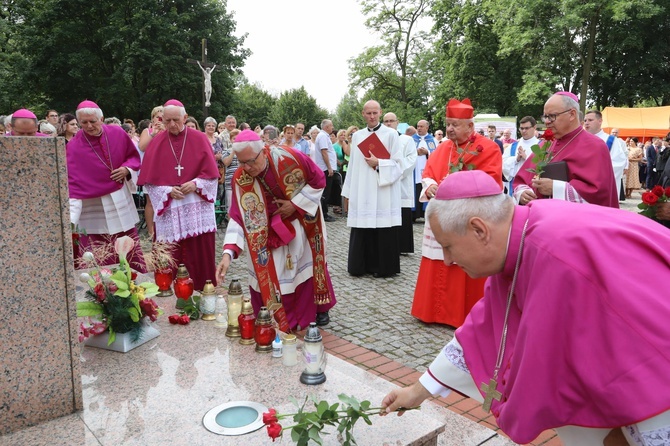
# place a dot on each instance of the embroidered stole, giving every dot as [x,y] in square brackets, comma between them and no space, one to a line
[290,177]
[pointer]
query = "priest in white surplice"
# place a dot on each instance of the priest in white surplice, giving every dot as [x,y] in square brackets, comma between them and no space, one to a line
[516,153]
[373,188]
[593,121]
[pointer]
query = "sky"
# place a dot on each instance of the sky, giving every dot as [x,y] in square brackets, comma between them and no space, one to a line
[302,43]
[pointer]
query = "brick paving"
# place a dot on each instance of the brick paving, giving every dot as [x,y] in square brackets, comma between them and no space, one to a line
[371,325]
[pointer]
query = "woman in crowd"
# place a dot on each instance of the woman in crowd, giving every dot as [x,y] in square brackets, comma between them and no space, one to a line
[336,193]
[634,158]
[217,148]
[231,165]
[289,136]
[68,126]
[191,122]
[146,136]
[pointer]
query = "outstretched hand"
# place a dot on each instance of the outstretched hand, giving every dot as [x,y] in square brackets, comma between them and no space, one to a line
[411,396]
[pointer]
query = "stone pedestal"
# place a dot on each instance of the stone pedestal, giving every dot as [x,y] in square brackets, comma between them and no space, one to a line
[39,375]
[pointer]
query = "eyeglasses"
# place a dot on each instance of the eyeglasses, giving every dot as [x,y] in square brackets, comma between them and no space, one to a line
[251,161]
[551,117]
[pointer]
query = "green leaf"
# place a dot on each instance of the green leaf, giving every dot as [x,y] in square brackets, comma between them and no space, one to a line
[122,293]
[112,336]
[321,408]
[87,309]
[120,276]
[314,435]
[134,314]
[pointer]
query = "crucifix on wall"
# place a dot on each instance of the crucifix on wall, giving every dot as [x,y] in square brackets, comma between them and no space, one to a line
[206,69]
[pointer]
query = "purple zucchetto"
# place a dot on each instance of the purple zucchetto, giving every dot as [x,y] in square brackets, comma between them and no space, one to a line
[87,104]
[247,135]
[467,184]
[23,113]
[568,94]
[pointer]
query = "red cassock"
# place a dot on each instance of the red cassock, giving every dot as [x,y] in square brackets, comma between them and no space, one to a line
[445,294]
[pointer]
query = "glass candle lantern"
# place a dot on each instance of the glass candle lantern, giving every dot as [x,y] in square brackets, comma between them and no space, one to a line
[208,302]
[264,331]
[290,351]
[221,312]
[234,308]
[247,322]
[163,278]
[183,286]
[315,357]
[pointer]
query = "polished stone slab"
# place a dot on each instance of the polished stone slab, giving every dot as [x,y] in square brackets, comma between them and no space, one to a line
[159,392]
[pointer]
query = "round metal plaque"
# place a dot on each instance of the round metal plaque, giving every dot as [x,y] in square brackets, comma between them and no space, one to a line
[235,418]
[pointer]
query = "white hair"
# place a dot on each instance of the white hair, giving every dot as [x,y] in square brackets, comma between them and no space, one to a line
[208,120]
[312,128]
[569,103]
[90,111]
[256,146]
[47,127]
[454,215]
[325,122]
[182,110]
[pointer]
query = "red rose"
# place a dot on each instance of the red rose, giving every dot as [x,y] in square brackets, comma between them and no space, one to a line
[472,138]
[667,191]
[112,287]
[548,135]
[649,198]
[149,309]
[184,319]
[480,149]
[174,319]
[658,191]
[274,431]
[270,417]
[133,275]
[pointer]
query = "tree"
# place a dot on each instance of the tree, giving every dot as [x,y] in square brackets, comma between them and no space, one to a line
[394,72]
[126,58]
[297,106]
[348,112]
[252,104]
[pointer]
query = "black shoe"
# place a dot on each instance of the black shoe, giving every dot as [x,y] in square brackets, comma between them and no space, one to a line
[328,218]
[322,319]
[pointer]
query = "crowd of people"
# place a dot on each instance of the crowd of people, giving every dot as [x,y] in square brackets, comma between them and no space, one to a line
[479,196]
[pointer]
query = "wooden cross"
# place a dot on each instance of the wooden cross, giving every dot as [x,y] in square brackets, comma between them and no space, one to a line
[204,64]
[490,394]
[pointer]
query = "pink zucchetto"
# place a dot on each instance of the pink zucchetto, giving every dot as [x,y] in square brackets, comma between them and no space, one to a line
[247,135]
[568,94]
[174,103]
[87,104]
[24,113]
[467,184]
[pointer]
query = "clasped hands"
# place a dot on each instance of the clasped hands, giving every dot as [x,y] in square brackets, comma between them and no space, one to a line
[284,208]
[179,192]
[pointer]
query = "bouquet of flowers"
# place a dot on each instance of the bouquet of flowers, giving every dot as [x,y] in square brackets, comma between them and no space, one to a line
[651,199]
[115,302]
[462,151]
[541,154]
[308,425]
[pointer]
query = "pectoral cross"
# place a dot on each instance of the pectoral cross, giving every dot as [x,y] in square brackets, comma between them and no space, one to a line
[490,394]
[178,169]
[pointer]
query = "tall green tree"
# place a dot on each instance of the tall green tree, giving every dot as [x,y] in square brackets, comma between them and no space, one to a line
[127,57]
[394,72]
[252,104]
[348,112]
[297,106]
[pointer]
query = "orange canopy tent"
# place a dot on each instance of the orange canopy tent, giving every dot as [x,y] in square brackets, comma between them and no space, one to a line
[640,122]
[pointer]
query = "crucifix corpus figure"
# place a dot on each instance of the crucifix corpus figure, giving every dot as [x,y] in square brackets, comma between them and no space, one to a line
[207,72]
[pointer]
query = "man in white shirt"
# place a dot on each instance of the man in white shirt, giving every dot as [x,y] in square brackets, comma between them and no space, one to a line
[593,121]
[425,145]
[516,153]
[326,159]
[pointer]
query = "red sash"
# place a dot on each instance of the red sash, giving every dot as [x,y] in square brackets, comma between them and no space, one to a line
[290,176]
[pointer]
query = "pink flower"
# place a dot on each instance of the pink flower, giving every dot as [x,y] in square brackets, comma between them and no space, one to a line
[99,290]
[123,245]
[112,287]
[98,328]
[149,309]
